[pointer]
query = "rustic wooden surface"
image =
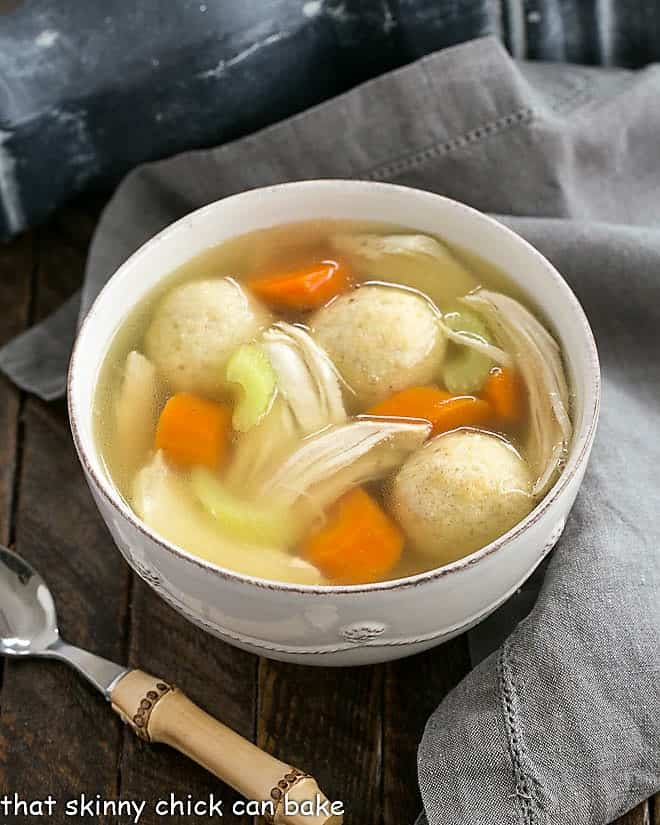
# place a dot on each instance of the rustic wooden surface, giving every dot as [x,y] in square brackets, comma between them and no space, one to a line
[356,730]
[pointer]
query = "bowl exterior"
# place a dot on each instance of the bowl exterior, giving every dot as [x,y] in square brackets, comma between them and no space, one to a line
[337,626]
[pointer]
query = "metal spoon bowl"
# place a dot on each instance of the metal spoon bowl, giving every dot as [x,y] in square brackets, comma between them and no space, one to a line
[28,624]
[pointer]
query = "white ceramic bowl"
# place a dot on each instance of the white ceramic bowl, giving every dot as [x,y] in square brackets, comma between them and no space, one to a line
[358,624]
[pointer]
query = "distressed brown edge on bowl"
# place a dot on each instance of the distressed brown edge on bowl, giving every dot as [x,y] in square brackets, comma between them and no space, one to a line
[582,440]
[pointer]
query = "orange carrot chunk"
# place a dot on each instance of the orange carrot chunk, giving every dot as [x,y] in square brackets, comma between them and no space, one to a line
[306,288]
[358,543]
[444,411]
[461,411]
[193,431]
[415,402]
[504,392]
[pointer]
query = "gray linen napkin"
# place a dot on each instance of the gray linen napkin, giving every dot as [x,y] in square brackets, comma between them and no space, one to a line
[562,724]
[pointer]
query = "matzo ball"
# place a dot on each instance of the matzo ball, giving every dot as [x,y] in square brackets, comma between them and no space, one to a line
[382,340]
[195,329]
[460,491]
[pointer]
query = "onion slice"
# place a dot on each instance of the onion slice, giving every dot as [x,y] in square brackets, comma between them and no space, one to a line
[135,413]
[538,357]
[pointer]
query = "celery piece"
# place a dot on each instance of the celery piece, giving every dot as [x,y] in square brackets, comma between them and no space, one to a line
[466,370]
[238,518]
[250,368]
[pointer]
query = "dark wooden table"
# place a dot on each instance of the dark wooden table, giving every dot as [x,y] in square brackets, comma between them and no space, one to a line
[356,730]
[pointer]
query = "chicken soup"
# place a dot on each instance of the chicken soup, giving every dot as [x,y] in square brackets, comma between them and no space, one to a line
[333,403]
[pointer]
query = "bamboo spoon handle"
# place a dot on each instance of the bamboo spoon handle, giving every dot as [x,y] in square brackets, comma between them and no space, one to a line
[158,712]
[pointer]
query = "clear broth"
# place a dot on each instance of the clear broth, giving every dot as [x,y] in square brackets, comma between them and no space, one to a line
[274,249]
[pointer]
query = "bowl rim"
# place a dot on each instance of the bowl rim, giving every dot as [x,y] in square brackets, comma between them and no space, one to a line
[578,454]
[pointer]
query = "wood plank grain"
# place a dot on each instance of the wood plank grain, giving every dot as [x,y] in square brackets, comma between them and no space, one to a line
[413,689]
[638,816]
[56,735]
[17,265]
[17,261]
[327,721]
[220,679]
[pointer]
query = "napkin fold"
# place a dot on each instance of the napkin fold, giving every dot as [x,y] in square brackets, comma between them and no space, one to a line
[561,725]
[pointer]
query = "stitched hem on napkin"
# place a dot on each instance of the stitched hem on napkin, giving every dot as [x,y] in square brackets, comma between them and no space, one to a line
[527,785]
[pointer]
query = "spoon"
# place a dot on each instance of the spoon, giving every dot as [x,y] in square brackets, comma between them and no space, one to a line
[155,710]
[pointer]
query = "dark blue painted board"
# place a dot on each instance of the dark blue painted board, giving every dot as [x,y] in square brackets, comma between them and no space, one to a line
[89,89]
